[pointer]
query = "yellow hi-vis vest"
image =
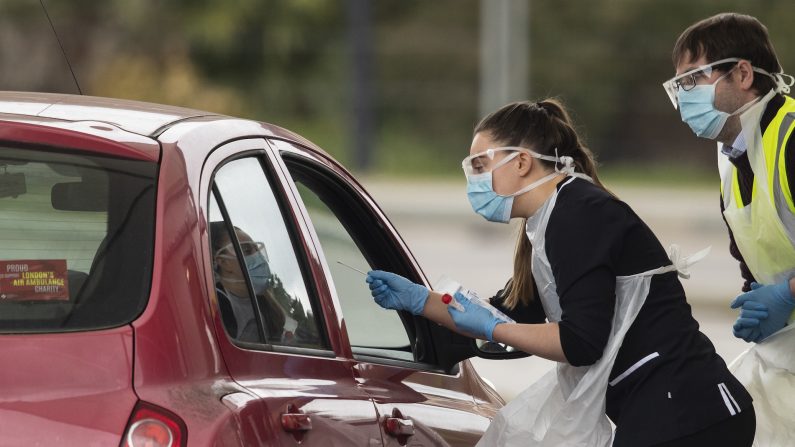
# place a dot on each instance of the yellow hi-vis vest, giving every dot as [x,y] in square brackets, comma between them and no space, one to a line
[764,230]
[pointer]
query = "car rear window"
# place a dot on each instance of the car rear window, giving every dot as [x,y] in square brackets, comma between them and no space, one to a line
[76,232]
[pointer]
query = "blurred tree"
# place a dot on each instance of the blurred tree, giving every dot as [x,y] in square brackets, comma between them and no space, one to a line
[288,62]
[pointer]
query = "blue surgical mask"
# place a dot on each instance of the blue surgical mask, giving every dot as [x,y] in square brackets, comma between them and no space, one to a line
[256,265]
[259,271]
[697,108]
[492,206]
[486,202]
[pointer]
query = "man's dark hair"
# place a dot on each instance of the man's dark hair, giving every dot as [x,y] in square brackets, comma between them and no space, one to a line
[730,35]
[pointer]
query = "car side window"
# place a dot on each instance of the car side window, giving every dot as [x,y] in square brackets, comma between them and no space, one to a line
[372,330]
[71,226]
[260,287]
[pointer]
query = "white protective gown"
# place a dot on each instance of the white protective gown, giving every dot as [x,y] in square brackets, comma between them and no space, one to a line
[566,407]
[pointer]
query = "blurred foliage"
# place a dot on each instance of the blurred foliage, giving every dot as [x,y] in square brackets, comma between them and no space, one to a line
[288,62]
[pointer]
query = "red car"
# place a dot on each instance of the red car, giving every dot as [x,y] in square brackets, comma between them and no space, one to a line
[172,277]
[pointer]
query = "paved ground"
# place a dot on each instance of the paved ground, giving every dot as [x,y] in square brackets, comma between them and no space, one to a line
[447,238]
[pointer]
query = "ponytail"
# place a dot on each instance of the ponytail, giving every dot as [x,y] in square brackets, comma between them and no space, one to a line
[584,160]
[520,288]
[546,128]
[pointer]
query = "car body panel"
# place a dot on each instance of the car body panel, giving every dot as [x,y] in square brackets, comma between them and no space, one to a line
[66,389]
[176,354]
[439,405]
[178,363]
[78,385]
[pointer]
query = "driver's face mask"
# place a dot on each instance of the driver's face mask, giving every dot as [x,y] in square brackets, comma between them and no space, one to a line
[480,189]
[256,264]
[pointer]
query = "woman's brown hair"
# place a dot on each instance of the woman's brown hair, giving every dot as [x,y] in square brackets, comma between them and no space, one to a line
[544,127]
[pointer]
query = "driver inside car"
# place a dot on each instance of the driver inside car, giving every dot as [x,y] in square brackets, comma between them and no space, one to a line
[237,307]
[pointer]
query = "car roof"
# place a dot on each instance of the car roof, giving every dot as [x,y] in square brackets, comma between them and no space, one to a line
[142,118]
[133,116]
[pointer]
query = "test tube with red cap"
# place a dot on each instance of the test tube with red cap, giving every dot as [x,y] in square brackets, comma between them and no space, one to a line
[450,301]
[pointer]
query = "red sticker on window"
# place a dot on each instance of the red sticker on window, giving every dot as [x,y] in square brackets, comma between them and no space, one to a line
[33,280]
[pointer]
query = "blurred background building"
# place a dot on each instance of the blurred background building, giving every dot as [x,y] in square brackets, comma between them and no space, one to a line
[393,89]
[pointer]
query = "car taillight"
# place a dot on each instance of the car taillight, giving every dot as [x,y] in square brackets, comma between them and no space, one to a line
[152,426]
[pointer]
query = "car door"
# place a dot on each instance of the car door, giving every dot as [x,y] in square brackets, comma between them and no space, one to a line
[407,364]
[278,337]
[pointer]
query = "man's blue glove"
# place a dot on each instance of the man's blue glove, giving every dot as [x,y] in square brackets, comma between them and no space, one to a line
[747,329]
[393,291]
[770,306]
[475,319]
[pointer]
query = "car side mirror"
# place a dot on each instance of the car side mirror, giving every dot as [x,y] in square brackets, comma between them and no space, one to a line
[12,185]
[79,196]
[497,351]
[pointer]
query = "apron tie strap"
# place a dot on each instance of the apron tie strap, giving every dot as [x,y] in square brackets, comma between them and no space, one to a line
[682,263]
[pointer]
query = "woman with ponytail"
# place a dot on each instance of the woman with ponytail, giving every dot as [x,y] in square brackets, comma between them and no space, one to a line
[593,290]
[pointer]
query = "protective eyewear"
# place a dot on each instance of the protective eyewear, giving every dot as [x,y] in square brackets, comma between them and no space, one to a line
[689,79]
[479,163]
[248,248]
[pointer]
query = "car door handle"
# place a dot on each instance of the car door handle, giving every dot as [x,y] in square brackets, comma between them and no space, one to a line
[398,426]
[294,420]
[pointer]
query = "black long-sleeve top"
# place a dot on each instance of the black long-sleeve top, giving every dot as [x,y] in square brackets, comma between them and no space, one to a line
[745,180]
[682,386]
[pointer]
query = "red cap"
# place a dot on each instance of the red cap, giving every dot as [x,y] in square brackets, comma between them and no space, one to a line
[446,298]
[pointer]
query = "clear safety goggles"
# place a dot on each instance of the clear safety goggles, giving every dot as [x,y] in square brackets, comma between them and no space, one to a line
[481,162]
[248,248]
[689,79]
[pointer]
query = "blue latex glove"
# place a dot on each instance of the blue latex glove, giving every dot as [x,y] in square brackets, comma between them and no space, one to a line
[393,291]
[765,310]
[474,320]
[747,329]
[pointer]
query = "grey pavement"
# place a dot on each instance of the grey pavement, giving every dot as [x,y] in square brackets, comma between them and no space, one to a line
[447,238]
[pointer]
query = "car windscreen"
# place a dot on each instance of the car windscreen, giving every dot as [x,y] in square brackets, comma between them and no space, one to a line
[76,238]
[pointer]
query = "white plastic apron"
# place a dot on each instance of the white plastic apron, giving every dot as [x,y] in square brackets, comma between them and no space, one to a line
[767,369]
[566,407]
